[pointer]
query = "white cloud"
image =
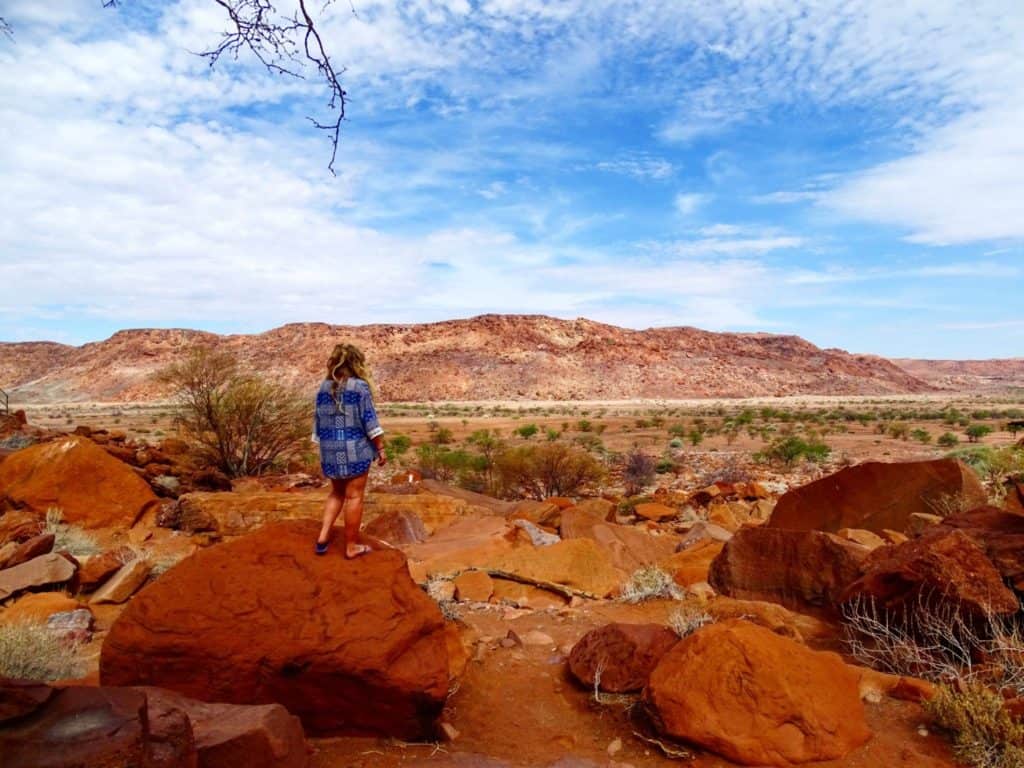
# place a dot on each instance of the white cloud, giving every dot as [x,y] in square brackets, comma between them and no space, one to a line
[688,203]
[638,166]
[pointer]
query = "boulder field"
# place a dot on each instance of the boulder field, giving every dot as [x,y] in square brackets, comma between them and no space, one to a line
[876,496]
[349,646]
[90,487]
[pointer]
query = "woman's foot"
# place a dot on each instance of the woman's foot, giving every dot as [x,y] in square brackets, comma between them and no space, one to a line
[353,551]
[321,547]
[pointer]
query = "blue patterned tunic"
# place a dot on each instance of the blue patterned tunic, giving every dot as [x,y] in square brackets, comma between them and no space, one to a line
[344,428]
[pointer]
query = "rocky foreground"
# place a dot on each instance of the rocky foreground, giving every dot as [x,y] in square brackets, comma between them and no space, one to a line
[491,357]
[569,632]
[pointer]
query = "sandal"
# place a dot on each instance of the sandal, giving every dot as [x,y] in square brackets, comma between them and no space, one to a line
[361,549]
[321,547]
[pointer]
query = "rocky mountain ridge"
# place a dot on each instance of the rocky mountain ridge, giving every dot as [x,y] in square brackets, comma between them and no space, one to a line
[489,357]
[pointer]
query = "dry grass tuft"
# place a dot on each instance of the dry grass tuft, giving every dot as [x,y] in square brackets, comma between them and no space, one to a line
[69,538]
[32,651]
[650,583]
[688,619]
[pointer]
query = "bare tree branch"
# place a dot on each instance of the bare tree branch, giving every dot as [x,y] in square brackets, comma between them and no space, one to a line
[5,28]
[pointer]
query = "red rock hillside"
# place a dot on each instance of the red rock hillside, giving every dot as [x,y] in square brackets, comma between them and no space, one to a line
[491,357]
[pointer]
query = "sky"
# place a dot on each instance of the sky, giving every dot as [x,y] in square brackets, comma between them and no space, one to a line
[851,172]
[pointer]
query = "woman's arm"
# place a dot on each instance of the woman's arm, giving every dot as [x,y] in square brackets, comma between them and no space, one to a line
[371,425]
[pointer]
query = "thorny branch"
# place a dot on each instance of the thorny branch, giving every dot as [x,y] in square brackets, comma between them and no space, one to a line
[257,28]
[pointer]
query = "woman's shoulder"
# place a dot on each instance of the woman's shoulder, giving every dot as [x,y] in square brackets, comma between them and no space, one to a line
[356,383]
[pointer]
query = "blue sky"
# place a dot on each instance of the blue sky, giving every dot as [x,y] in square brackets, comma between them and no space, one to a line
[851,172]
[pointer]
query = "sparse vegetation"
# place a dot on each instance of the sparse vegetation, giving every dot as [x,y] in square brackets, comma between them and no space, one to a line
[240,423]
[32,651]
[547,469]
[69,538]
[649,583]
[638,471]
[687,619]
[948,440]
[984,733]
[790,450]
[977,431]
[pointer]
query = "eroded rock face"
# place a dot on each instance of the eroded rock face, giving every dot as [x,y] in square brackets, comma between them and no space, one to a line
[619,657]
[1000,533]
[349,646]
[90,487]
[629,548]
[942,565]
[757,698]
[799,569]
[579,564]
[875,495]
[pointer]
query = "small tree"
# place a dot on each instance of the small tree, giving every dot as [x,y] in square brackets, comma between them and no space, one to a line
[397,446]
[241,423]
[527,431]
[547,469]
[948,440]
[638,471]
[977,431]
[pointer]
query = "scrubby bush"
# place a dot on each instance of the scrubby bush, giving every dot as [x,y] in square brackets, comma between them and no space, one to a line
[32,651]
[397,446]
[948,440]
[687,619]
[527,431]
[240,423]
[69,538]
[790,450]
[442,436]
[584,425]
[984,733]
[638,471]
[899,430]
[977,431]
[548,469]
[922,436]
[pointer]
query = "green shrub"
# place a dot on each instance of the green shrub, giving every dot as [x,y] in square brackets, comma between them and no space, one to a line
[922,436]
[948,440]
[397,446]
[984,733]
[790,450]
[547,469]
[977,431]
[584,425]
[527,431]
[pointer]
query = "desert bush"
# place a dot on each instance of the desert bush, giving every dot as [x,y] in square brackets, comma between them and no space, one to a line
[922,436]
[638,471]
[552,434]
[444,464]
[899,430]
[990,462]
[665,465]
[695,436]
[32,651]
[442,436]
[69,538]
[240,422]
[687,619]
[584,425]
[675,442]
[527,431]
[932,638]
[649,583]
[397,446]
[948,440]
[790,450]
[984,733]
[548,469]
[977,431]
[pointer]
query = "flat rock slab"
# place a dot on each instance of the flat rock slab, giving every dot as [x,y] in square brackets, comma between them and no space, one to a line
[123,584]
[40,571]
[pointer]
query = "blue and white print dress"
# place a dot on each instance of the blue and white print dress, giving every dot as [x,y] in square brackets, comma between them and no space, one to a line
[344,428]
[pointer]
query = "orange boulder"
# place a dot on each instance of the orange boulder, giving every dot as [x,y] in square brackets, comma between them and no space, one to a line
[349,646]
[619,657]
[875,495]
[89,486]
[757,698]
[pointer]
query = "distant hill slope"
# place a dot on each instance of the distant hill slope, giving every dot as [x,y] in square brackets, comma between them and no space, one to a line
[967,375]
[491,357]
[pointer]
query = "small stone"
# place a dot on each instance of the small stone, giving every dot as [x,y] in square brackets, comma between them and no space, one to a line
[536,637]
[922,731]
[72,626]
[473,586]
[123,584]
[511,640]
[614,747]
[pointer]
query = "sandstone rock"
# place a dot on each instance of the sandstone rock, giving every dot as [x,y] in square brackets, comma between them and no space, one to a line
[21,697]
[537,535]
[893,537]
[756,698]
[693,564]
[562,502]
[772,616]
[398,528]
[525,596]
[919,522]
[209,480]
[474,587]
[537,512]
[702,531]
[98,568]
[34,547]
[799,569]
[233,736]
[724,515]
[600,507]
[629,548]
[84,726]
[123,584]
[655,511]
[1000,534]
[705,495]
[41,571]
[186,514]
[6,551]
[37,607]
[477,503]
[73,626]
[619,657]
[942,565]
[90,487]
[862,537]
[474,542]
[349,646]
[876,495]
[580,564]
[18,525]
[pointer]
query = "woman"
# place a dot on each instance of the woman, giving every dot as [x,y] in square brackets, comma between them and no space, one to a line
[346,426]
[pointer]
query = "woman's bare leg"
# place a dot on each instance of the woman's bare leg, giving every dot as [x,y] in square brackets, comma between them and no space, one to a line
[332,508]
[354,490]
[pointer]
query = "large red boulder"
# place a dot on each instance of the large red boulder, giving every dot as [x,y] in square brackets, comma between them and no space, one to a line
[619,657]
[943,565]
[799,569]
[349,646]
[875,495]
[1000,533]
[87,484]
[757,698]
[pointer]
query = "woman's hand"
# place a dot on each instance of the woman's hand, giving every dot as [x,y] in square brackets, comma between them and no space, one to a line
[382,459]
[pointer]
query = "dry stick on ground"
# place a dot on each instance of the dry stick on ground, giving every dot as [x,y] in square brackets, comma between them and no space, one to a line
[548,585]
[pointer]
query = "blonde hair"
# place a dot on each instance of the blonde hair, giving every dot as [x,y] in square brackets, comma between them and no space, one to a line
[347,361]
